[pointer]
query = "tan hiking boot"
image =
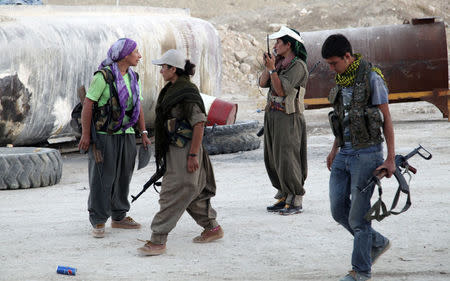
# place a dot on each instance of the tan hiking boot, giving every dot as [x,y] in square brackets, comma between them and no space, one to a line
[99,230]
[126,223]
[152,249]
[209,235]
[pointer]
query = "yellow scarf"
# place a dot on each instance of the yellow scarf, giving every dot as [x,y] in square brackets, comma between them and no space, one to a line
[347,78]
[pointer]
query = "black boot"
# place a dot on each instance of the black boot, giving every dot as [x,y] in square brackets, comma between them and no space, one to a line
[277,206]
[290,210]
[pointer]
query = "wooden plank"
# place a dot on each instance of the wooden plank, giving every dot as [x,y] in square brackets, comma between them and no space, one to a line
[317,101]
[410,95]
[393,97]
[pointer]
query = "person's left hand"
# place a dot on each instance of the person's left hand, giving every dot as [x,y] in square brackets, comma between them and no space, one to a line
[389,166]
[146,141]
[192,164]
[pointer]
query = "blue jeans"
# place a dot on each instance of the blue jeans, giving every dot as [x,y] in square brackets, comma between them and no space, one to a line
[349,175]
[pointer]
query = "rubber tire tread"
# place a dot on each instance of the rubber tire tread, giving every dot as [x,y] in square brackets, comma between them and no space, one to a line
[224,139]
[30,167]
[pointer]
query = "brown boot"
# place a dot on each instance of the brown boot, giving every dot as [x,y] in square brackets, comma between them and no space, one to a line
[209,235]
[99,230]
[152,249]
[127,223]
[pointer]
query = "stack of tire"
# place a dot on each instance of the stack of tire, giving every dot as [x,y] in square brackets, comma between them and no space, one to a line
[223,135]
[223,139]
[25,167]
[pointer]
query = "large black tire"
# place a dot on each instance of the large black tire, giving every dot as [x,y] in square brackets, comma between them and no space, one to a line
[25,167]
[240,136]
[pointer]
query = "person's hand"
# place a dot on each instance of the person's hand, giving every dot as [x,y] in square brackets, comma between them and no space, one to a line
[269,62]
[146,141]
[192,164]
[83,145]
[389,166]
[330,159]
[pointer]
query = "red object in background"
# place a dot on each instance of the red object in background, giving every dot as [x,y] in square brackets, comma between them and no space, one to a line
[221,113]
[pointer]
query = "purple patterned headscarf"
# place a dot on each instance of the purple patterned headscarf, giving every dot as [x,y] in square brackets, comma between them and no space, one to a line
[119,50]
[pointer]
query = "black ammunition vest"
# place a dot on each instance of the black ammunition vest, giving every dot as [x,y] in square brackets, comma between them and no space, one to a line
[106,117]
[365,119]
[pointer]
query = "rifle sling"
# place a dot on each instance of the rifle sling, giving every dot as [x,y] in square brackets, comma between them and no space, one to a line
[394,203]
[379,211]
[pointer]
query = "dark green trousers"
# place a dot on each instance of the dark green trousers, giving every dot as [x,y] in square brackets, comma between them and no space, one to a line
[109,181]
[285,154]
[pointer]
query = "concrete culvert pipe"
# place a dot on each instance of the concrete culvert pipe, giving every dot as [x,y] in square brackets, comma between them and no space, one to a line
[48,52]
[25,167]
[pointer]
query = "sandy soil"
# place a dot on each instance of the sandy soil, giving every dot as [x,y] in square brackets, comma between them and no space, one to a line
[46,227]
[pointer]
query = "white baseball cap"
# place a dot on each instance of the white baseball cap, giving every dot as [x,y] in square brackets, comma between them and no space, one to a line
[286,31]
[171,57]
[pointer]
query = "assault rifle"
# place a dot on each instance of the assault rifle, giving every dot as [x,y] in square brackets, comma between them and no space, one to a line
[97,153]
[379,211]
[160,171]
[260,132]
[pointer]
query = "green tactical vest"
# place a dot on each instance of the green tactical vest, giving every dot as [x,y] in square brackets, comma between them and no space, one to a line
[365,120]
[106,117]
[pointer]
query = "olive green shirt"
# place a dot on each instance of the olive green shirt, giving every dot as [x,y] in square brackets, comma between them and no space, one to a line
[196,116]
[294,77]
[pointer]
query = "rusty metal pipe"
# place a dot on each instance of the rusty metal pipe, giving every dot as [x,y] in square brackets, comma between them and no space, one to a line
[412,57]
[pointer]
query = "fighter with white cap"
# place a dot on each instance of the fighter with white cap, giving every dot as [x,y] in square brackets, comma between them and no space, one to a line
[286,75]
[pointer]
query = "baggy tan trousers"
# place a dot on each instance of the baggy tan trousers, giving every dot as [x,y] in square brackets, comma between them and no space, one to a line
[285,154]
[183,191]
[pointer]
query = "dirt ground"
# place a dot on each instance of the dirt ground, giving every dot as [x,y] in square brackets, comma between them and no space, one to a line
[42,228]
[46,227]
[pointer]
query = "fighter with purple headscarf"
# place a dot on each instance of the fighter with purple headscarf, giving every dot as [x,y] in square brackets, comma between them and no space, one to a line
[110,174]
[119,50]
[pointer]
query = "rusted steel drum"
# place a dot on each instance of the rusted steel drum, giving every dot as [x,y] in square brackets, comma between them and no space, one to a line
[47,52]
[412,57]
[219,112]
